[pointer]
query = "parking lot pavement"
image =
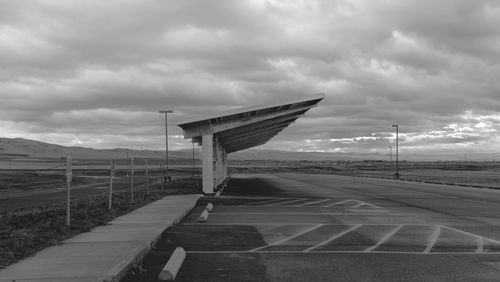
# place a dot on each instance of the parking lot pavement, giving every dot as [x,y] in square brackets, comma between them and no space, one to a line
[302,231]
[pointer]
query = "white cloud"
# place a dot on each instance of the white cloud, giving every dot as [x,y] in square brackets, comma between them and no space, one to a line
[73,71]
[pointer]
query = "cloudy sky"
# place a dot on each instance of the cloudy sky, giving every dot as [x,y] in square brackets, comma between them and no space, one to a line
[94,73]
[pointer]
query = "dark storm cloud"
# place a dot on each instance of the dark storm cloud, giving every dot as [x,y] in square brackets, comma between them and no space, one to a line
[95,72]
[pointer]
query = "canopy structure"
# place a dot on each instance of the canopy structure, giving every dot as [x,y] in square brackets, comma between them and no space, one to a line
[240,129]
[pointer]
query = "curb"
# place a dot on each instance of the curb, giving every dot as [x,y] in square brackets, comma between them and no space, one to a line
[209,207]
[203,217]
[174,263]
[121,269]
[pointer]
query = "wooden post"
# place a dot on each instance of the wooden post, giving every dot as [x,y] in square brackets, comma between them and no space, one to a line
[161,175]
[111,175]
[132,180]
[69,176]
[147,176]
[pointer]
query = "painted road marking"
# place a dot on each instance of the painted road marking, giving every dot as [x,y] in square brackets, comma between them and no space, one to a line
[287,202]
[337,203]
[350,203]
[311,203]
[307,213]
[361,203]
[312,239]
[288,238]
[261,202]
[342,252]
[471,234]
[300,223]
[358,205]
[385,238]
[333,238]
[480,245]
[433,239]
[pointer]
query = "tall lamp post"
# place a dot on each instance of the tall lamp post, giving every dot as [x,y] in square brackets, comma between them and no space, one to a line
[166,142]
[397,144]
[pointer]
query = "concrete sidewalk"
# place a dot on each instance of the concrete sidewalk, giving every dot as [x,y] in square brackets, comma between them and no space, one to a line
[106,253]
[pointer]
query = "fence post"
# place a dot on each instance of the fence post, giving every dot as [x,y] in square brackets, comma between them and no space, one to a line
[111,175]
[161,175]
[147,176]
[69,176]
[132,180]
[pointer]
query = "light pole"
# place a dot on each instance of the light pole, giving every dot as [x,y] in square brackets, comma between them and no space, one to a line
[397,149]
[166,142]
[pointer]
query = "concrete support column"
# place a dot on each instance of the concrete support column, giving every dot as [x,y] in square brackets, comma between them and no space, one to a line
[224,165]
[221,165]
[208,163]
[217,162]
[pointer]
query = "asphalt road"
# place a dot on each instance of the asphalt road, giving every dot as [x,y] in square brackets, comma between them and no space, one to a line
[297,227]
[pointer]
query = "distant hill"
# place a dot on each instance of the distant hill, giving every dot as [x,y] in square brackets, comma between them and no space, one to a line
[19,147]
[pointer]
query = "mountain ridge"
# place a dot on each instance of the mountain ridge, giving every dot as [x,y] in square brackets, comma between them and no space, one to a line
[20,147]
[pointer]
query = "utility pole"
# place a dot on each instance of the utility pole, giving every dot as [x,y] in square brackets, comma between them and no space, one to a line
[397,149]
[166,142]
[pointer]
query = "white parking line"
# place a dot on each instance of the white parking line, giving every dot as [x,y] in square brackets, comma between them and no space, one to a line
[294,223]
[311,203]
[309,213]
[261,202]
[342,252]
[288,238]
[359,205]
[385,238]
[471,234]
[480,245]
[433,239]
[336,204]
[333,238]
[287,202]
[368,204]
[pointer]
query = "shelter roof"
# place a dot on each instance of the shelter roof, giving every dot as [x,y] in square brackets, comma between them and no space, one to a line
[248,127]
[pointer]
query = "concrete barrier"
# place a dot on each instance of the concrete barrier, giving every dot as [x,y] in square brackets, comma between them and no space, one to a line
[174,263]
[203,217]
[209,207]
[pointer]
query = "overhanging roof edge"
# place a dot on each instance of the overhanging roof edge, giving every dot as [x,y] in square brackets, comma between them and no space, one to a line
[251,108]
[250,126]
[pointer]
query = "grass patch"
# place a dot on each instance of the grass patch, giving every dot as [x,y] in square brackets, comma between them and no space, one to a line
[24,232]
[25,180]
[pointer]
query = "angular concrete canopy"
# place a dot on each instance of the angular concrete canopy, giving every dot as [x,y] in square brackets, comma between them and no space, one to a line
[240,129]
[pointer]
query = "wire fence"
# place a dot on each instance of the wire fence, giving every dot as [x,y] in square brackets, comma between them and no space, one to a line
[85,179]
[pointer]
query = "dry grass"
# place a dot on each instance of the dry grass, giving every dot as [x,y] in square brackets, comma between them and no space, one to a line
[25,231]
